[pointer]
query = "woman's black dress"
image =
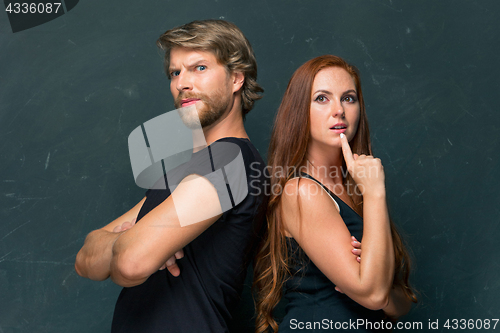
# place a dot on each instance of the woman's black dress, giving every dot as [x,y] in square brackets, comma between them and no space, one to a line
[314,304]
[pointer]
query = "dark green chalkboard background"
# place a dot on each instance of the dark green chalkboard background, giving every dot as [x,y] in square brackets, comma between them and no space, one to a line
[72,90]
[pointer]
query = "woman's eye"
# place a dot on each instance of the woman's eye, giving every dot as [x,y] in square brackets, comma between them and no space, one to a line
[350,99]
[201,67]
[321,98]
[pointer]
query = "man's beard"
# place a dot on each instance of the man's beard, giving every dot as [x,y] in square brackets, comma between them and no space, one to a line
[209,110]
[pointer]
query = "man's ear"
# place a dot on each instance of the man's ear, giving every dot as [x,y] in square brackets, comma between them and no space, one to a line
[238,78]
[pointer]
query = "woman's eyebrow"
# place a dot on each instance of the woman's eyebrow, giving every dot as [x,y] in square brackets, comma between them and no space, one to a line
[323,91]
[330,93]
[350,91]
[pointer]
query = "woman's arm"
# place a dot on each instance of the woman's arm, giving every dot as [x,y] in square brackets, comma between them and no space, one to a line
[399,304]
[311,218]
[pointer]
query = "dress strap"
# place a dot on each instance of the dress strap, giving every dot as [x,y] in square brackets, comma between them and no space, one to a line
[305,175]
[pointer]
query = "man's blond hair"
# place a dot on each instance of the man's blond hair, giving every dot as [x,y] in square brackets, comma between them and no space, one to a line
[226,41]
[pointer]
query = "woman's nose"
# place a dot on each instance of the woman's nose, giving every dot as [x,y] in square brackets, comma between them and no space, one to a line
[338,110]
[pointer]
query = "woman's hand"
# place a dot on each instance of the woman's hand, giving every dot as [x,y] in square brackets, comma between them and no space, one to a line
[357,248]
[367,171]
[356,251]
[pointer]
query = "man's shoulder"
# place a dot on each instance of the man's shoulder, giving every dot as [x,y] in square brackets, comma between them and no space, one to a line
[248,151]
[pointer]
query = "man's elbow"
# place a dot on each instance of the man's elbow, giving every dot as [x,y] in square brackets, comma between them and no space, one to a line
[80,265]
[128,273]
[88,268]
[78,270]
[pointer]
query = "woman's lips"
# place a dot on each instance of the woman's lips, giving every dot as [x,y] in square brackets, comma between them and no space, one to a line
[189,101]
[339,128]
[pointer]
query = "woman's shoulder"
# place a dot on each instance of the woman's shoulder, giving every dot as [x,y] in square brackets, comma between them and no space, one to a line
[300,186]
[304,192]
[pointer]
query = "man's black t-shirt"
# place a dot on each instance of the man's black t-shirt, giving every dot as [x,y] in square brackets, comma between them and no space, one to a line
[212,271]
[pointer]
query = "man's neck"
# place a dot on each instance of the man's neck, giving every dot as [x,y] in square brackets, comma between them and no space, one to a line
[230,125]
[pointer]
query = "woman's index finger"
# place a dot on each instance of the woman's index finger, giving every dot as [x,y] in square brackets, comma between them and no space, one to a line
[346,150]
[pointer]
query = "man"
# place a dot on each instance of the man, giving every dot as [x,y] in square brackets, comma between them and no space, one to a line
[211,66]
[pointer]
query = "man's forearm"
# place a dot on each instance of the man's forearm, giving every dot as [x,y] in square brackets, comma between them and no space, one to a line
[93,260]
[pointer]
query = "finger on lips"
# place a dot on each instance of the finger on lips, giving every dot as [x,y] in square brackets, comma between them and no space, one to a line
[346,149]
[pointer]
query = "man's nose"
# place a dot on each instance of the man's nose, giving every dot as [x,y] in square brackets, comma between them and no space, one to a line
[184,82]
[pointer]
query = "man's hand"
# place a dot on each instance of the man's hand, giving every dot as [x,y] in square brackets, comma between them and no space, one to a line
[356,251]
[171,264]
[125,226]
[94,258]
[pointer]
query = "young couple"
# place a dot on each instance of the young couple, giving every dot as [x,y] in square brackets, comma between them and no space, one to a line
[304,239]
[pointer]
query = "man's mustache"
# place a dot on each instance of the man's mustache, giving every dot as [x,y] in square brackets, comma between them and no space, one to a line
[182,96]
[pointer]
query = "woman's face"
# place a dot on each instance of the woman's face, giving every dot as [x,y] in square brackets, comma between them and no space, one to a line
[334,107]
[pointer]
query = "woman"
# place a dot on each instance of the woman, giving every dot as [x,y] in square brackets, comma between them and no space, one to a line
[327,192]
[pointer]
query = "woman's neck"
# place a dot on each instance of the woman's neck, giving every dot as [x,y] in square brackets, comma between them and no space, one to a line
[325,164]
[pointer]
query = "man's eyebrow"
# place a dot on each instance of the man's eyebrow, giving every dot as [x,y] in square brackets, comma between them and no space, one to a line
[198,62]
[194,64]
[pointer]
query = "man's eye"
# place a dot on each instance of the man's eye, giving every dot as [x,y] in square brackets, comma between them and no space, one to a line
[201,67]
[174,73]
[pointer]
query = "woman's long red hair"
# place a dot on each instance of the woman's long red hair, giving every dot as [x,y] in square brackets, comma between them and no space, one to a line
[287,151]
